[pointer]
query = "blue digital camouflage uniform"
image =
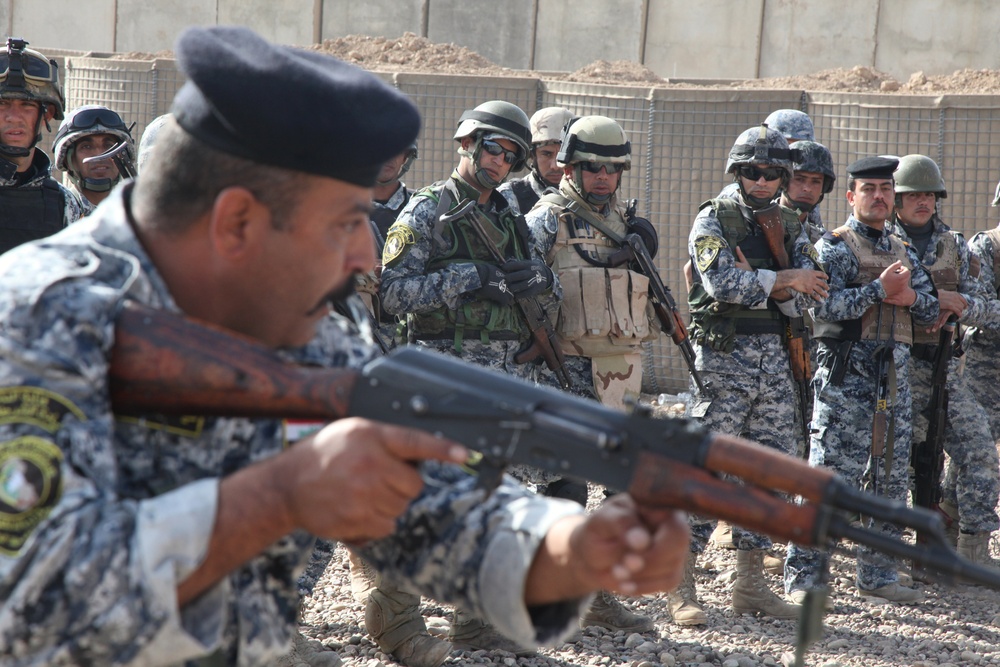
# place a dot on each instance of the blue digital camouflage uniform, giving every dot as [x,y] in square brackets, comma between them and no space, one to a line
[982,359]
[974,469]
[410,288]
[842,414]
[100,518]
[752,391]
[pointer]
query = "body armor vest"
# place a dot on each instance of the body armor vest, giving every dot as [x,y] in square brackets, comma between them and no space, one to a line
[715,323]
[944,273]
[33,213]
[525,194]
[871,265]
[605,309]
[457,243]
[383,217]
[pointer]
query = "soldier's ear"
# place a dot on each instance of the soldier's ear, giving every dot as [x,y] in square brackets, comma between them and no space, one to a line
[238,224]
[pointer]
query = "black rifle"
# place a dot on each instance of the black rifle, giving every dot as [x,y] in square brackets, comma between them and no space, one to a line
[927,457]
[634,250]
[115,154]
[544,342]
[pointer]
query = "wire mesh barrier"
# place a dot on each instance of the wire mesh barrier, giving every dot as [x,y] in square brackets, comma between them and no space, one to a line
[680,141]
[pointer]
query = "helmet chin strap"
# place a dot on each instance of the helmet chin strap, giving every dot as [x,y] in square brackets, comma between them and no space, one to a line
[589,197]
[20,152]
[752,202]
[481,175]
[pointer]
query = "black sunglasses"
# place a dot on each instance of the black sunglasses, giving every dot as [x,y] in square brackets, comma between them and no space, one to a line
[754,173]
[595,167]
[493,148]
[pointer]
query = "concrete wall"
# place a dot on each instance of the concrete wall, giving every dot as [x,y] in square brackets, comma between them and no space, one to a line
[675,38]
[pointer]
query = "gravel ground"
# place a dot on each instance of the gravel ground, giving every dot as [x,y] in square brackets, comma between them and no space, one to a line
[954,626]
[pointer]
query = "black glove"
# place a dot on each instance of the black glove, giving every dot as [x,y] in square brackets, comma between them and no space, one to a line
[494,285]
[644,228]
[527,277]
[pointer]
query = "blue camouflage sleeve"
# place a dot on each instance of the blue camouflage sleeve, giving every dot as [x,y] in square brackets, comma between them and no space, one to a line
[715,261]
[844,303]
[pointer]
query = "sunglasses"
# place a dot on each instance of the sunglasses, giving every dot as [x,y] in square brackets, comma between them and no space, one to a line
[595,167]
[755,173]
[88,118]
[493,148]
[32,67]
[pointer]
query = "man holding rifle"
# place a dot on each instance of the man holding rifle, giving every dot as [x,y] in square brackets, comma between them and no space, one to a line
[180,540]
[878,296]
[754,269]
[962,422]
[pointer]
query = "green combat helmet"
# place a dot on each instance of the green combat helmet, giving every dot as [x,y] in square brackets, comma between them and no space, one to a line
[491,119]
[597,139]
[26,74]
[919,173]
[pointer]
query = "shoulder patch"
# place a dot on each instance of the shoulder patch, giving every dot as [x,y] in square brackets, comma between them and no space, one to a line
[397,243]
[30,486]
[36,406]
[706,251]
[809,250]
[832,237]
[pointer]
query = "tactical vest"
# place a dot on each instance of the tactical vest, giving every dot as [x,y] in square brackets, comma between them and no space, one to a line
[457,243]
[605,310]
[383,217]
[33,213]
[872,263]
[714,323]
[944,273]
[524,193]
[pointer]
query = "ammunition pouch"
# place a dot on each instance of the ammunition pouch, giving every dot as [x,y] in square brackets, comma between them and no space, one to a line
[604,309]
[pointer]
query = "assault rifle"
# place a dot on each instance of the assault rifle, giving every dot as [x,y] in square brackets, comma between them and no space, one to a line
[796,332]
[883,421]
[927,457]
[543,336]
[166,364]
[671,323]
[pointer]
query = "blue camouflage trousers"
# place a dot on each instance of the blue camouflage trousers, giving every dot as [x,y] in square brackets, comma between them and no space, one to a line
[974,469]
[841,440]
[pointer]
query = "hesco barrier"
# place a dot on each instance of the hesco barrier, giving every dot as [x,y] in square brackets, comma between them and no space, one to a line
[680,141]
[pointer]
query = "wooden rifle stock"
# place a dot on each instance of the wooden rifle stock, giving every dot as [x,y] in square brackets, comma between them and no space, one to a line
[796,334]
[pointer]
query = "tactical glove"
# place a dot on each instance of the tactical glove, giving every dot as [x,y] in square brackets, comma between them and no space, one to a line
[527,277]
[494,285]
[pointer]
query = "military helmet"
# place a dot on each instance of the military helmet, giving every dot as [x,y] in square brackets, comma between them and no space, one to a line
[148,139]
[919,173]
[815,158]
[595,139]
[86,121]
[498,117]
[547,125]
[29,75]
[794,125]
[760,145]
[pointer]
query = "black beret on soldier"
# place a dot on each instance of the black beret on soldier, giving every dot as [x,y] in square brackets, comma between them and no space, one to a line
[873,167]
[287,107]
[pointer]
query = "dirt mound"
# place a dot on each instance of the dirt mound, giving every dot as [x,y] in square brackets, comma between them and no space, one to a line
[409,53]
[616,71]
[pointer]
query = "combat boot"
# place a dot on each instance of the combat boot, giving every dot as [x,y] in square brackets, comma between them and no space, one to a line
[607,612]
[774,565]
[722,536]
[393,619]
[683,601]
[362,577]
[473,634]
[950,521]
[976,547]
[751,594]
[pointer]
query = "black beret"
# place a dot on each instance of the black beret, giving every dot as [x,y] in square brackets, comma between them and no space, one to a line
[287,107]
[873,167]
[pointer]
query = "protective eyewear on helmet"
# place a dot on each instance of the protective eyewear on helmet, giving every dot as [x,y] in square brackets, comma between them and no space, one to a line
[88,118]
[595,167]
[754,173]
[32,67]
[493,148]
